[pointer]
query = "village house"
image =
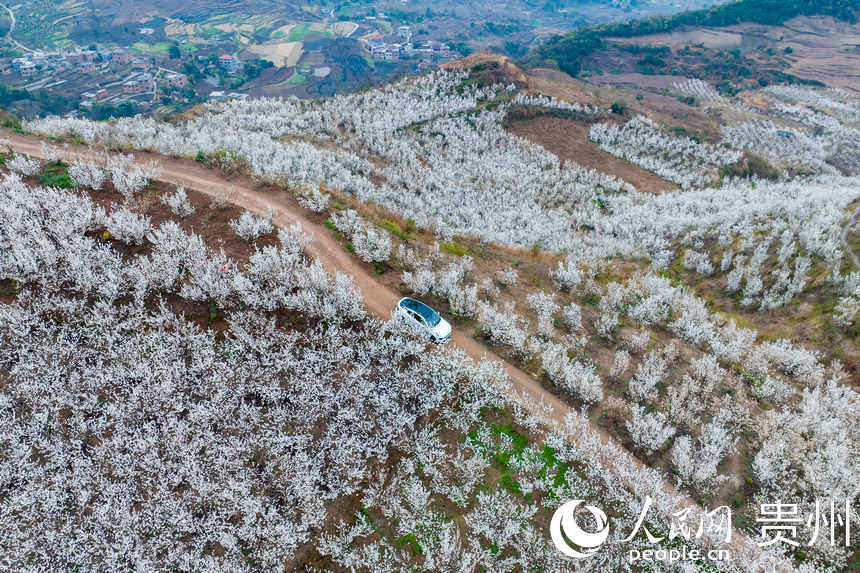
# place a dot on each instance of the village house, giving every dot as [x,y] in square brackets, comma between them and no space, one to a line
[138,85]
[27,69]
[175,80]
[228,63]
[140,64]
[122,56]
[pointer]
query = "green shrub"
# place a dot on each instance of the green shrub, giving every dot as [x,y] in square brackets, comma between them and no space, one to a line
[11,122]
[618,108]
[409,540]
[750,165]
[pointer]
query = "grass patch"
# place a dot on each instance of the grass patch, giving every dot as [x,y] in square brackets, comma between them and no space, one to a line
[56,175]
[409,540]
[159,48]
[11,122]
[296,79]
[394,228]
[510,484]
[453,247]
[299,31]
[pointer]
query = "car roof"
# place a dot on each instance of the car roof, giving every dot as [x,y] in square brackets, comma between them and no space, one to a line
[418,307]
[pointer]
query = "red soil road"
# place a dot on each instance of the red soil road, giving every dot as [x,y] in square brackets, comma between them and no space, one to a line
[379,299]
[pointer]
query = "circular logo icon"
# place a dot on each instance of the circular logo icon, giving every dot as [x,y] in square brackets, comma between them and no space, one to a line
[564,522]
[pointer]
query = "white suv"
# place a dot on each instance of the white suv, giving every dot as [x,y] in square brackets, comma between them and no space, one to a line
[423,319]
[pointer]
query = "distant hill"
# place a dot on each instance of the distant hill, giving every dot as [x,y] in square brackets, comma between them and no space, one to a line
[568,50]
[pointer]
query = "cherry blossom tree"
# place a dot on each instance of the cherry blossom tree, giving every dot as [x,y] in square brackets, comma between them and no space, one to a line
[371,243]
[250,226]
[127,226]
[179,203]
[545,307]
[649,430]
[24,165]
[86,173]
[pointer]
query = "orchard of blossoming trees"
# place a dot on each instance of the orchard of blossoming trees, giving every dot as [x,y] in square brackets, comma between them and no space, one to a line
[132,438]
[456,169]
[438,173]
[706,407]
[837,101]
[702,398]
[698,89]
[680,159]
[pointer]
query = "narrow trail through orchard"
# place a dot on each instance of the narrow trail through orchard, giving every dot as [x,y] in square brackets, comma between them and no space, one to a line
[380,299]
[844,237]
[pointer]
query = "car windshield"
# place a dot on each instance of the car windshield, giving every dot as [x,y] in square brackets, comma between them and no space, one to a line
[430,316]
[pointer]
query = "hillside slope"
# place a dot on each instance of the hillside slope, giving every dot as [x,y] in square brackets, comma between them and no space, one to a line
[701,330]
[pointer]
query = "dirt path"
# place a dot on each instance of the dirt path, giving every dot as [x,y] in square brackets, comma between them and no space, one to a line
[844,237]
[9,37]
[379,300]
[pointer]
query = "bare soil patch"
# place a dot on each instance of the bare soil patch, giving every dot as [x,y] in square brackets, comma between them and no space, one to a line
[568,139]
[824,49]
[637,80]
[281,54]
[490,67]
[560,85]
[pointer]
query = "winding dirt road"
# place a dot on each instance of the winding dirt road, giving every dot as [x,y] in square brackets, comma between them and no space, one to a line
[380,300]
[9,37]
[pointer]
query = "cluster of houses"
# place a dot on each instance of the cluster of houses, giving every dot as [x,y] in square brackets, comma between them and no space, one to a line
[147,82]
[400,45]
[85,61]
[104,62]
